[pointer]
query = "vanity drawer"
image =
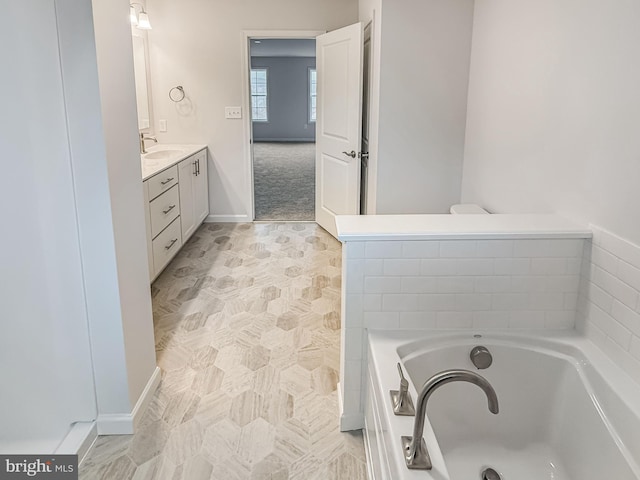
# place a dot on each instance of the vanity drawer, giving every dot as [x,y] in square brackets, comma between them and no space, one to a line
[166,245]
[163,181]
[164,210]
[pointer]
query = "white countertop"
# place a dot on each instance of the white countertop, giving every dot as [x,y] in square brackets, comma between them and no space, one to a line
[178,152]
[456,227]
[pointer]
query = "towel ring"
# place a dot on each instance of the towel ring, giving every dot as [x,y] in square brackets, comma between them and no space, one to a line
[176,97]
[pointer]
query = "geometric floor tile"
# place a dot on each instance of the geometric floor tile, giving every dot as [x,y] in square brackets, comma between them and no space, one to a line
[247,329]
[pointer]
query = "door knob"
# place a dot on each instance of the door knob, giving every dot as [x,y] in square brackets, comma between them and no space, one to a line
[351,154]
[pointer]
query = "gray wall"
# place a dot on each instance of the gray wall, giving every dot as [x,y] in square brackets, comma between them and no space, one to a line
[287,80]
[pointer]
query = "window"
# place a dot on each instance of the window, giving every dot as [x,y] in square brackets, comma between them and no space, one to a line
[312,94]
[259,94]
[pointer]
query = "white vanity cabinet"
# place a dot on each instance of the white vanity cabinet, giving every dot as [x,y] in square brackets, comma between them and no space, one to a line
[176,201]
[194,192]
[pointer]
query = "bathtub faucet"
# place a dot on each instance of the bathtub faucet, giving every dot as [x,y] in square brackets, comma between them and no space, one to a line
[414,448]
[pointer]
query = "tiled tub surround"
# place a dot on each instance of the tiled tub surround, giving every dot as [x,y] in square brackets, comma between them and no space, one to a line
[609,306]
[499,272]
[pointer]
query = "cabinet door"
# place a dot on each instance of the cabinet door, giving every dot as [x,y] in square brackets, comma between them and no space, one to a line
[201,188]
[186,176]
[147,224]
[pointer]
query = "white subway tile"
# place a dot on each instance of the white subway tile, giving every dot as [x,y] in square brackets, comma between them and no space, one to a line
[417,320]
[437,266]
[493,284]
[353,344]
[529,283]
[509,301]
[563,283]
[455,284]
[383,249]
[621,248]
[546,301]
[574,266]
[494,248]
[614,287]
[604,259]
[435,302]
[561,320]
[598,296]
[421,249]
[593,333]
[381,320]
[474,266]
[399,302]
[405,266]
[570,301]
[549,266]
[623,358]
[419,285]
[473,301]
[512,266]
[371,302]
[454,319]
[531,248]
[458,248]
[629,274]
[627,317]
[634,349]
[373,266]
[596,239]
[526,320]
[355,276]
[602,319]
[490,319]
[353,309]
[382,284]
[354,250]
[565,247]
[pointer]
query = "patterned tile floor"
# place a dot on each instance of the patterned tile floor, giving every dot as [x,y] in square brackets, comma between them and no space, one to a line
[247,326]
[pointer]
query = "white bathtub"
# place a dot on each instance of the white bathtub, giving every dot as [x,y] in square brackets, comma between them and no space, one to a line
[566,411]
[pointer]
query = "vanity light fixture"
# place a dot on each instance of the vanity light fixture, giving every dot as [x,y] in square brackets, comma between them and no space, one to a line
[139,20]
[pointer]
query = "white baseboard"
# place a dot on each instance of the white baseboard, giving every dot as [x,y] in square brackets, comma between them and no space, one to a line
[351,421]
[228,219]
[79,439]
[125,423]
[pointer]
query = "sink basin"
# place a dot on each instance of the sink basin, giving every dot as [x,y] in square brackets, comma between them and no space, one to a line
[161,154]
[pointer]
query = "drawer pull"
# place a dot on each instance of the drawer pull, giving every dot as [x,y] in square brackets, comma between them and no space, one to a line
[171,207]
[167,181]
[168,247]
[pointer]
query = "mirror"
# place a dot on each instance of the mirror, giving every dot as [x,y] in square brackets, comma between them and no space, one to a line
[142,87]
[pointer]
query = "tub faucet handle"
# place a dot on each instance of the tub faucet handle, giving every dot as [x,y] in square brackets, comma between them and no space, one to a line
[401,399]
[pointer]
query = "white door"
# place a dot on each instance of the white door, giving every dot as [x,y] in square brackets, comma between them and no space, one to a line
[338,124]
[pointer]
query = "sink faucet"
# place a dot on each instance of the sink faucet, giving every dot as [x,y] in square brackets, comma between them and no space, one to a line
[414,448]
[143,138]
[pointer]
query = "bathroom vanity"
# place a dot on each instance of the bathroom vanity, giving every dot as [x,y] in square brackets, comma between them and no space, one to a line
[176,199]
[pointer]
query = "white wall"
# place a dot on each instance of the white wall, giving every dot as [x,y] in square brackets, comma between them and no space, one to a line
[46,380]
[424,69]
[120,130]
[198,44]
[553,110]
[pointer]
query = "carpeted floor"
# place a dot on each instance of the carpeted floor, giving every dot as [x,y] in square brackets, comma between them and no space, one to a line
[284,181]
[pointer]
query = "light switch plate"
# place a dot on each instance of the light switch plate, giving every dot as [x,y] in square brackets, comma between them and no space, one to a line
[162,125]
[233,112]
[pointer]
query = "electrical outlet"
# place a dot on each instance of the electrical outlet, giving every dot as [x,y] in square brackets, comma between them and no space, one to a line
[162,125]
[233,112]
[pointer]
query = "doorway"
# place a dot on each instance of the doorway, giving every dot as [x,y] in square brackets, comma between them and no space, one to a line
[282,93]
